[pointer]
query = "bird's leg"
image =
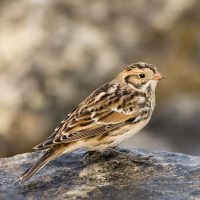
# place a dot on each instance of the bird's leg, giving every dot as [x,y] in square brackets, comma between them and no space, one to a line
[136,158]
[89,154]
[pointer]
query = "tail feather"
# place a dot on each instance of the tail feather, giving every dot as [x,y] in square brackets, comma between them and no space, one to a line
[51,154]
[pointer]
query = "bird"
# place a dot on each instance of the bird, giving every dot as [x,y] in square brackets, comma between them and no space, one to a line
[109,116]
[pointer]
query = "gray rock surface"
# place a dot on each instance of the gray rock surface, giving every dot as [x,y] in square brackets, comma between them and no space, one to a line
[54,53]
[166,176]
[7,195]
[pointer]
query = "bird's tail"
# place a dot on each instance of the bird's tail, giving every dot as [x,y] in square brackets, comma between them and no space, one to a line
[51,154]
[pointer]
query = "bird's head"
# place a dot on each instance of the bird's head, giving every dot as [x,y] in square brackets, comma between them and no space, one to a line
[141,75]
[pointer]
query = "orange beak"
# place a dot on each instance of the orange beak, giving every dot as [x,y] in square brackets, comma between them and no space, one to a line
[157,76]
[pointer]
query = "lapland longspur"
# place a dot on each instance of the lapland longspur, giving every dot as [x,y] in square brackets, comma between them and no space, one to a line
[110,115]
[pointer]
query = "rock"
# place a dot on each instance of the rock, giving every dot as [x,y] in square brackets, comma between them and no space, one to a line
[55,53]
[6,195]
[166,176]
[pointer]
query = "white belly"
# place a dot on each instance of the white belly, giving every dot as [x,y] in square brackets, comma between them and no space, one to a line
[115,137]
[134,130]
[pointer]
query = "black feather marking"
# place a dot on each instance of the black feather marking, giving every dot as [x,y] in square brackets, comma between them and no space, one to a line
[103,88]
[66,117]
[141,66]
[53,134]
[87,123]
[125,92]
[73,120]
[136,85]
[129,68]
[132,96]
[150,67]
[60,125]
[119,107]
[130,120]
[104,96]
[39,146]
[64,136]
[127,79]
[99,113]
[103,136]
[69,128]
[110,142]
[149,89]
[48,142]
[101,107]
[85,113]
[99,144]
[86,119]
[117,99]
[118,88]
[58,139]
[109,103]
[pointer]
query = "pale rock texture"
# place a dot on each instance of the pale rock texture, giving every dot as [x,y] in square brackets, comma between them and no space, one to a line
[54,53]
[166,176]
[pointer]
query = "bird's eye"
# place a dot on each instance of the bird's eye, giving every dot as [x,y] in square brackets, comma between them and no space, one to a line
[141,75]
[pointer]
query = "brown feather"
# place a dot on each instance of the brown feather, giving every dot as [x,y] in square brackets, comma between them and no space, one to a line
[109,114]
[104,119]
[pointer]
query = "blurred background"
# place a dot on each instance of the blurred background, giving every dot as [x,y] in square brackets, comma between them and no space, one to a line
[54,53]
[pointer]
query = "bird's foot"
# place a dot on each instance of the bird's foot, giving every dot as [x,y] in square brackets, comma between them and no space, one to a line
[136,158]
[89,155]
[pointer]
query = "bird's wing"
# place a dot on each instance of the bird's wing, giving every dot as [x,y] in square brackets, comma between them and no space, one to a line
[99,113]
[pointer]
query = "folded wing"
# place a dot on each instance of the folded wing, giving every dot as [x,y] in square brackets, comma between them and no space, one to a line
[101,112]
